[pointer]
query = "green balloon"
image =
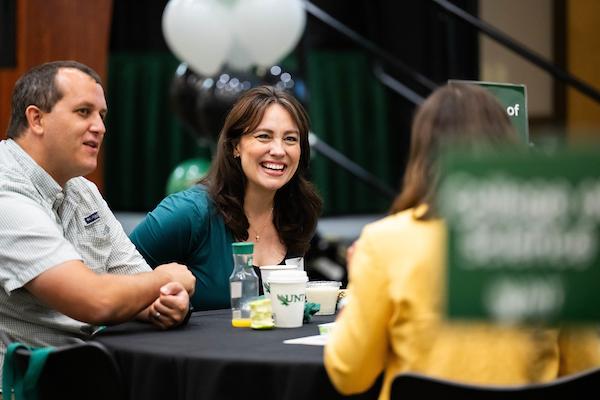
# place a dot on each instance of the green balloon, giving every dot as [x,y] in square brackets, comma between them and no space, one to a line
[187,174]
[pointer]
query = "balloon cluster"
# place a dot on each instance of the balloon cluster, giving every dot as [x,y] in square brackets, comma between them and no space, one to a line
[202,102]
[207,34]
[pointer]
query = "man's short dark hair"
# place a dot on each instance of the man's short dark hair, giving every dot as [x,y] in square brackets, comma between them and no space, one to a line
[37,87]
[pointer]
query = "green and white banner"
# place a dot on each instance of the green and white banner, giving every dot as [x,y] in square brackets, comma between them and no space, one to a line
[514,99]
[524,235]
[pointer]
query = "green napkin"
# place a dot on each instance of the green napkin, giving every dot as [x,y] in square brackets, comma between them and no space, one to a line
[310,309]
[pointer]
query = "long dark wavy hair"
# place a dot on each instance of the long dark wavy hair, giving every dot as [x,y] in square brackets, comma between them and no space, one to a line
[456,113]
[297,205]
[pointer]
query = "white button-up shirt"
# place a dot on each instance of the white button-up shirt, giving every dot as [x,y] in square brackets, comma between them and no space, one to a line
[42,226]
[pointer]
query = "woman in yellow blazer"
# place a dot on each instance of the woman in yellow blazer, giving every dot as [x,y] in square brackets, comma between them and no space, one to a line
[393,321]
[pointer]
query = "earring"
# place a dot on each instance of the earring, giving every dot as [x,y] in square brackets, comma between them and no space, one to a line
[236,156]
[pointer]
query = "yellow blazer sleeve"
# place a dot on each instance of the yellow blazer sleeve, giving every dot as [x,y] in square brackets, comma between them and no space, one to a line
[356,351]
[579,349]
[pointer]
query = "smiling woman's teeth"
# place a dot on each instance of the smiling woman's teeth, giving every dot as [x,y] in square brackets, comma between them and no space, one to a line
[277,167]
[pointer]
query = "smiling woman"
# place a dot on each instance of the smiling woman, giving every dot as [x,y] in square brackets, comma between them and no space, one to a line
[270,154]
[257,188]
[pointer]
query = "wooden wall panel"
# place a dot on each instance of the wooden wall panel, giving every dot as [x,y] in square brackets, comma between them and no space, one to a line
[49,30]
[583,60]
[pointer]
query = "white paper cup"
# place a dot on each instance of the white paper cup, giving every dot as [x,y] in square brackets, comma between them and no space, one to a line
[288,295]
[266,270]
[298,261]
[324,293]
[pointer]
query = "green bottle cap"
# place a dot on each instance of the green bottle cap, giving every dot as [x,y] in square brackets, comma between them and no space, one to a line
[242,248]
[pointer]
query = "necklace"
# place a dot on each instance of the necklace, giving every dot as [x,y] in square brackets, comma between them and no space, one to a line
[259,232]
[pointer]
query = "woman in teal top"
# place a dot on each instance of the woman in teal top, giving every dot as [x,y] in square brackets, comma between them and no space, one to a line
[256,190]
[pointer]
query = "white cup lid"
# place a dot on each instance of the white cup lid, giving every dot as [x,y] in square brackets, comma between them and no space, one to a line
[288,276]
[326,284]
[278,267]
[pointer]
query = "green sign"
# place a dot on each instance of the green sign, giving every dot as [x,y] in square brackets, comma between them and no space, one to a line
[523,235]
[514,99]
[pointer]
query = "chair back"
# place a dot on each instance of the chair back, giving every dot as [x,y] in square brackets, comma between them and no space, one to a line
[417,386]
[86,371]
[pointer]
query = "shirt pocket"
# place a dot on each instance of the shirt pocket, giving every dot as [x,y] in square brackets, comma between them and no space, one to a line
[95,247]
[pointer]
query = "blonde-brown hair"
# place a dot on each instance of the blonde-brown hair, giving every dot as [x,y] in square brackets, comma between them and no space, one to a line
[454,113]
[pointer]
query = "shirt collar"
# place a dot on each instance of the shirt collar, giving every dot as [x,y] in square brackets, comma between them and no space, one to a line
[46,186]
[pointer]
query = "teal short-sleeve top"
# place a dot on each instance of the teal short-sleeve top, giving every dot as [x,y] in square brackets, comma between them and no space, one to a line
[187,228]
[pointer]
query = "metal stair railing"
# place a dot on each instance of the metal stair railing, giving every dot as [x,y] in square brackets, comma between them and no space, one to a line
[518,48]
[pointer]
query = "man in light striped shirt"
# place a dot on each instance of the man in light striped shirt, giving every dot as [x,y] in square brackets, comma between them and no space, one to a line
[66,265]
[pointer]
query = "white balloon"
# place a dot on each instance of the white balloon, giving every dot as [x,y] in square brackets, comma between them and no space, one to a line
[238,57]
[268,29]
[198,32]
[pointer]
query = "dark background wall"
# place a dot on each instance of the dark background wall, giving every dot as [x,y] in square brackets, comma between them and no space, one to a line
[8,20]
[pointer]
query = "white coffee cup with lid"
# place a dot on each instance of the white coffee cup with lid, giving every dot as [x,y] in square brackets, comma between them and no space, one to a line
[267,270]
[288,295]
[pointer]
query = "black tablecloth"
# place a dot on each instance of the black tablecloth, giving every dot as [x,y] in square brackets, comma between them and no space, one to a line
[209,359]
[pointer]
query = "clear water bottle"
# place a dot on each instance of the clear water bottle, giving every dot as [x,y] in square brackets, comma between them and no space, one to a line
[243,284]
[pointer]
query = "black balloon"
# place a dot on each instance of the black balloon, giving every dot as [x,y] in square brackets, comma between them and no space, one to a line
[183,95]
[216,96]
[285,80]
[202,102]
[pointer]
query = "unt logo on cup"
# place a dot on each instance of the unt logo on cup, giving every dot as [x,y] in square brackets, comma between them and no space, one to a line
[285,300]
